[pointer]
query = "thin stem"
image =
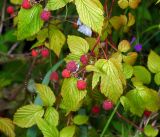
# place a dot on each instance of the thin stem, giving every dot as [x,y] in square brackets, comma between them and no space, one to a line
[109,120]
[97,41]
[110,12]
[106,8]
[128,121]
[3,16]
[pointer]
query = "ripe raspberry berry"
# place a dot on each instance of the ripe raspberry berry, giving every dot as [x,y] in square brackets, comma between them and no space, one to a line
[54,76]
[34,53]
[45,15]
[71,66]
[84,59]
[45,53]
[147,113]
[107,105]
[66,73]
[26,4]
[81,84]
[95,109]
[10,9]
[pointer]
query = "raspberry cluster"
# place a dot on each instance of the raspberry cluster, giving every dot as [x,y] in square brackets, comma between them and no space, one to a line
[41,50]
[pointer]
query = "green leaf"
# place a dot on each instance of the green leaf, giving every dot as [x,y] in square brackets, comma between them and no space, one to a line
[77,45]
[56,40]
[142,74]
[46,94]
[158,1]
[139,99]
[47,130]
[42,35]
[111,78]
[51,116]
[150,131]
[7,127]
[90,14]
[16,1]
[157,78]
[154,62]
[68,131]
[25,116]
[56,4]
[29,22]
[127,70]
[80,119]
[72,97]
[95,79]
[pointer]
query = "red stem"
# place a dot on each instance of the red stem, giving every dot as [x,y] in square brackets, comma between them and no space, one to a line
[128,121]
[97,41]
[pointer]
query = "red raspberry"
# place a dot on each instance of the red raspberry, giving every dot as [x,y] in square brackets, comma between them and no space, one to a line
[10,9]
[107,105]
[71,66]
[45,53]
[54,76]
[26,4]
[34,53]
[84,59]
[81,84]
[66,73]
[147,113]
[45,15]
[95,109]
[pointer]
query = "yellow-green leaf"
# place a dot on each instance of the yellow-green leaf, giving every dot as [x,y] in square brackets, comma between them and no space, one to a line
[26,115]
[56,40]
[47,129]
[77,45]
[142,74]
[56,4]
[7,127]
[72,97]
[16,1]
[80,119]
[154,62]
[46,94]
[29,22]
[68,131]
[51,116]
[90,14]
[157,78]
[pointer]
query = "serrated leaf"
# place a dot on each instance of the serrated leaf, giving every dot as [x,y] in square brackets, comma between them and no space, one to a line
[68,131]
[111,79]
[72,97]
[29,22]
[157,78]
[80,119]
[127,70]
[150,131]
[46,94]
[25,116]
[139,99]
[47,130]
[7,127]
[51,116]
[142,74]
[153,62]
[56,40]
[95,79]
[90,14]
[56,4]
[77,45]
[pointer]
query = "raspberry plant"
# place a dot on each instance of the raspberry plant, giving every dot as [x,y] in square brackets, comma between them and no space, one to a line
[104,77]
